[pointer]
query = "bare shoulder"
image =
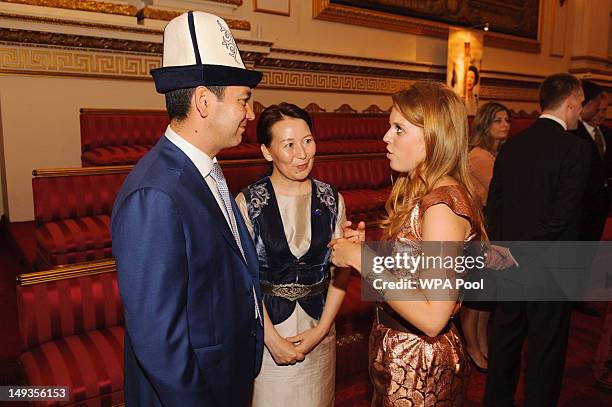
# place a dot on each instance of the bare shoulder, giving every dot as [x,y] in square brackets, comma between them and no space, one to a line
[441,223]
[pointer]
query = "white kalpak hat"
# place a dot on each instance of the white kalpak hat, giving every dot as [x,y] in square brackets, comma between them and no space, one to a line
[199,49]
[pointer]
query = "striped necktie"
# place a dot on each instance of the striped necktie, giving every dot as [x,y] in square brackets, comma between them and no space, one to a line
[217,175]
[599,141]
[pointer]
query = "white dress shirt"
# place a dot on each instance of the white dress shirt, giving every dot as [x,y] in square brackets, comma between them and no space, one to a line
[555,118]
[202,162]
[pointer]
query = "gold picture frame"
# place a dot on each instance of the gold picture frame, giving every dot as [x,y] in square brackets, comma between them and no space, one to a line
[278,7]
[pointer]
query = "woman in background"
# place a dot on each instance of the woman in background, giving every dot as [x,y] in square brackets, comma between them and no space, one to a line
[292,218]
[416,356]
[472,79]
[490,129]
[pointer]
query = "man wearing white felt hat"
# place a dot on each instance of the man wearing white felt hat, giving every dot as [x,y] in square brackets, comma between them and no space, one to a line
[187,268]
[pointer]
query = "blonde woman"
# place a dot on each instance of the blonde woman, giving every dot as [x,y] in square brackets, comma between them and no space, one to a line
[416,355]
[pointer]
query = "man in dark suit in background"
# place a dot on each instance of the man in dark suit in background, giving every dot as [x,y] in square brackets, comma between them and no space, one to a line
[536,195]
[596,199]
[187,268]
[598,122]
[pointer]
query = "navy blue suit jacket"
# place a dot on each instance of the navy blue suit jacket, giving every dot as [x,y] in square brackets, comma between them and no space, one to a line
[191,334]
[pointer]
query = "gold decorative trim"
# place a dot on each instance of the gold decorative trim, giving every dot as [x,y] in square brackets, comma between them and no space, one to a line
[256,7]
[66,62]
[79,43]
[374,109]
[69,271]
[60,21]
[330,82]
[118,169]
[82,5]
[588,58]
[324,10]
[314,108]
[258,107]
[69,172]
[310,54]
[508,94]
[154,13]
[345,108]
[344,340]
[116,112]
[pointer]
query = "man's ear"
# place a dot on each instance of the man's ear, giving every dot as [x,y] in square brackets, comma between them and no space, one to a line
[266,153]
[202,100]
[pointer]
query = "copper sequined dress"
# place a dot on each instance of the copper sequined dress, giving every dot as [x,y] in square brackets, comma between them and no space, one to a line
[410,368]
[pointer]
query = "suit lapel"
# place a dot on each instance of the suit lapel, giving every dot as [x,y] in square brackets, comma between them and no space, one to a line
[193,180]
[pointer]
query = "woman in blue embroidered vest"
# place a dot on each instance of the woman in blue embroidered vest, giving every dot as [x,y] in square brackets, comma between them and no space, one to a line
[292,218]
[416,357]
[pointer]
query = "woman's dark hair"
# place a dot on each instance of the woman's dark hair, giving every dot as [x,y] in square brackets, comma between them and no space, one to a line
[480,135]
[476,74]
[276,113]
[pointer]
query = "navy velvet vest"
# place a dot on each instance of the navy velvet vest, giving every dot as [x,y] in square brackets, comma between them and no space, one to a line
[277,265]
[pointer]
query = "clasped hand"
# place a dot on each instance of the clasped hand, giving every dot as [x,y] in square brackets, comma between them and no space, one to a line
[293,349]
[346,251]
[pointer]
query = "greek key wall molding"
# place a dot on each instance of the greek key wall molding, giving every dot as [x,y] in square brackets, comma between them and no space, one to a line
[64,62]
[330,82]
[167,15]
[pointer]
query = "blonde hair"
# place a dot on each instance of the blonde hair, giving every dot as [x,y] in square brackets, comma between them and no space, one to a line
[443,117]
[481,136]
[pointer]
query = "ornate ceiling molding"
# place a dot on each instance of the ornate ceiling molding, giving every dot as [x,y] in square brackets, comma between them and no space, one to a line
[324,10]
[293,52]
[65,22]
[154,13]
[79,42]
[82,5]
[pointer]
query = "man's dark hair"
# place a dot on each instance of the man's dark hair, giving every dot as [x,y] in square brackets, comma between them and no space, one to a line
[178,101]
[591,91]
[556,88]
[274,114]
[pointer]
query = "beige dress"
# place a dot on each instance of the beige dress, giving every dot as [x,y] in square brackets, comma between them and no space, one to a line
[310,383]
[480,162]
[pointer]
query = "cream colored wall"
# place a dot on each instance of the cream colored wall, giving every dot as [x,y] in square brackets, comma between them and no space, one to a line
[40,117]
[300,31]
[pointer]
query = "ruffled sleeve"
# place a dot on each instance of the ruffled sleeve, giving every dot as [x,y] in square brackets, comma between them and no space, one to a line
[457,199]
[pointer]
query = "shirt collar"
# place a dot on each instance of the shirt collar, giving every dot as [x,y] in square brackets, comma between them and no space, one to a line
[555,118]
[201,160]
[589,128]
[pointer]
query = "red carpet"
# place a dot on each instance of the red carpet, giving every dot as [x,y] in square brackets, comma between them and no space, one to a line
[579,388]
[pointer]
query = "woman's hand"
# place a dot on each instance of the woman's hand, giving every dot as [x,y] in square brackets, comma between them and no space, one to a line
[306,341]
[354,235]
[283,352]
[346,253]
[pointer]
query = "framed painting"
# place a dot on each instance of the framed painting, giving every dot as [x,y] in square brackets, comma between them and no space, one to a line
[514,24]
[280,7]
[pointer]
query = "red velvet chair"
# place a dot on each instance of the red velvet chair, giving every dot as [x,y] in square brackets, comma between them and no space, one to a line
[72,331]
[72,212]
[116,137]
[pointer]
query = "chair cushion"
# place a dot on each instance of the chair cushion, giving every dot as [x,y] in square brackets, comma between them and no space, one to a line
[365,204]
[114,155]
[89,236]
[90,364]
[244,150]
[350,147]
